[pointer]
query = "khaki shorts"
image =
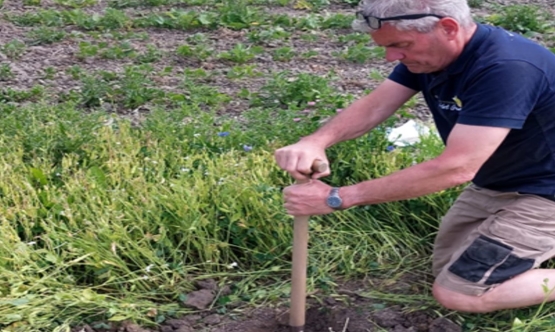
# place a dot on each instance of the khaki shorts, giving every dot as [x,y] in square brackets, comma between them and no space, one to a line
[488,237]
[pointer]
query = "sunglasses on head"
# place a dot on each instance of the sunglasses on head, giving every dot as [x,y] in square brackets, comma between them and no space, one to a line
[376,22]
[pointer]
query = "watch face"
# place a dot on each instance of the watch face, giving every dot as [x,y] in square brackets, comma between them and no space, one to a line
[334,202]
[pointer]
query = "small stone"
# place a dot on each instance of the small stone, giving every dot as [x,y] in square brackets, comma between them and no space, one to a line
[330,300]
[443,324]
[212,319]
[388,318]
[199,299]
[192,318]
[177,323]
[184,329]
[401,328]
[135,328]
[225,290]
[166,328]
[209,284]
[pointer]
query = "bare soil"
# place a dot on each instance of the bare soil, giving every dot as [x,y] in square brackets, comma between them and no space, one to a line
[347,310]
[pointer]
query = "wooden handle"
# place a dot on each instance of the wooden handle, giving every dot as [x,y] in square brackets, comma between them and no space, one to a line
[319,166]
[300,258]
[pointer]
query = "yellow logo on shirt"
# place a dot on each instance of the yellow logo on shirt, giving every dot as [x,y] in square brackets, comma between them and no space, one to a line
[457,101]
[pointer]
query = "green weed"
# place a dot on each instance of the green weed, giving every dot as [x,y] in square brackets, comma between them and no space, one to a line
[283,54]
[150,55]
[199,53]
[76,3]
[13,49]
[360,53]
[239,15]
[45,35]
[243,71]
[240,53]
[31,2]
[283,91]
[521,18]
[6,73]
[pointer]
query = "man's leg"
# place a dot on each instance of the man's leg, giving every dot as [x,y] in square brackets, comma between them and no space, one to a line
[523,290]
[494,267]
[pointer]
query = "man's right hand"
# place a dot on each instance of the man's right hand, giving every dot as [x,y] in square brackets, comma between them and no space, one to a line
[297,159]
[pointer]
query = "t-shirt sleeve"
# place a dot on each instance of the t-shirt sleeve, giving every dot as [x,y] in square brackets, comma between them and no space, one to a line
[502,95]
[403,76]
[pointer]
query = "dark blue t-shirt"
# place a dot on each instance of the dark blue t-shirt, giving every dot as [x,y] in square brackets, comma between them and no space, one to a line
[500,80]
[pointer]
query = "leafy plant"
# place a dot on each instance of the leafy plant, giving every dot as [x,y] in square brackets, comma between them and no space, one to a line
[199,53]
[309,54]
[284,54]
[242,71]
[357,38]
[337,21]
[360,53]
[49,73]
[152,54]
[87,49]
[45,35]
[13,49]
[120,51]
[521,18]
[6,72]
[263,36]
[137,3]
[475,3]
[76,3]
[283,90]
[33,94]
[75,71]
[239,15]
[136,88]
[94,91]
[114,19]
[309,22]
[240,53]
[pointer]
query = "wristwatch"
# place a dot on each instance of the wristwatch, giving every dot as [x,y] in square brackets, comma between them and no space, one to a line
[333,200]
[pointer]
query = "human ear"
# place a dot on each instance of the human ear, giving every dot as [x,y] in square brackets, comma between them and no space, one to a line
[449,27]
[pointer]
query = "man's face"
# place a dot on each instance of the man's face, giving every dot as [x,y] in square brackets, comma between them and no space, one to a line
[420,52]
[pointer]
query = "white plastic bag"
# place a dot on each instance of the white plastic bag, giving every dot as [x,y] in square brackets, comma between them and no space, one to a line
[408,134]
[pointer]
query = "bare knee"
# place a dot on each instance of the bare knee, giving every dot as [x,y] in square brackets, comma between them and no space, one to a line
[458,301]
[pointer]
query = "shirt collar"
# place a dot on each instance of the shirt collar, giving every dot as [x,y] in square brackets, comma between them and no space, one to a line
[469,50]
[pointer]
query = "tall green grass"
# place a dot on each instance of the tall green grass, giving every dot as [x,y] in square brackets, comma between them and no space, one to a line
[103,220]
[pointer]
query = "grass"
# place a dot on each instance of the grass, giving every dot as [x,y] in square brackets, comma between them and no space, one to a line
[106,219]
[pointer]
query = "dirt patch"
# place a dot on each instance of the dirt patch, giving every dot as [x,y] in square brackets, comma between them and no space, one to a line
[350,310]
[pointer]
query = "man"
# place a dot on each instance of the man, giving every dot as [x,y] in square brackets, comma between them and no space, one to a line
[492,96]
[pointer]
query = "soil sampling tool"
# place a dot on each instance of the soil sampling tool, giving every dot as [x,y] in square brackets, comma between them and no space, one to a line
[300,258]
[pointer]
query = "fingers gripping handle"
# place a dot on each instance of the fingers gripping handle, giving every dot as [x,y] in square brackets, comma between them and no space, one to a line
[319,166]
[300,257]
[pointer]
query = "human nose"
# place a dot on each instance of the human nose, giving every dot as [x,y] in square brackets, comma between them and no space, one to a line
[393,55]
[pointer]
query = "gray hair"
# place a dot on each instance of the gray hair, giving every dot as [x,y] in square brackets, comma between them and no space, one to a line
[456,9]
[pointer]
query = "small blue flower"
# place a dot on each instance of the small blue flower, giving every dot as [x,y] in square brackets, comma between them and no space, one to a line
[247,148]
[223,134]
[390,148]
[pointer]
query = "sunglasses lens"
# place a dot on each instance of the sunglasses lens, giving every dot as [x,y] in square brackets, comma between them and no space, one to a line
[374,22]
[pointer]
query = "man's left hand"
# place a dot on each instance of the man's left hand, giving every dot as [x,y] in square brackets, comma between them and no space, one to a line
[307,199]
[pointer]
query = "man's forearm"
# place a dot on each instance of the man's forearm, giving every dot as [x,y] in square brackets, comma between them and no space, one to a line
[362,115]
[415,181]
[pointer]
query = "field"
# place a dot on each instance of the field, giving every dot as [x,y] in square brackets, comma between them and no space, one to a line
[139,191]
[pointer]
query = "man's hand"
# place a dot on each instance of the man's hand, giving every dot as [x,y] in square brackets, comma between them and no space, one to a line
[307,199]
[297,159]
